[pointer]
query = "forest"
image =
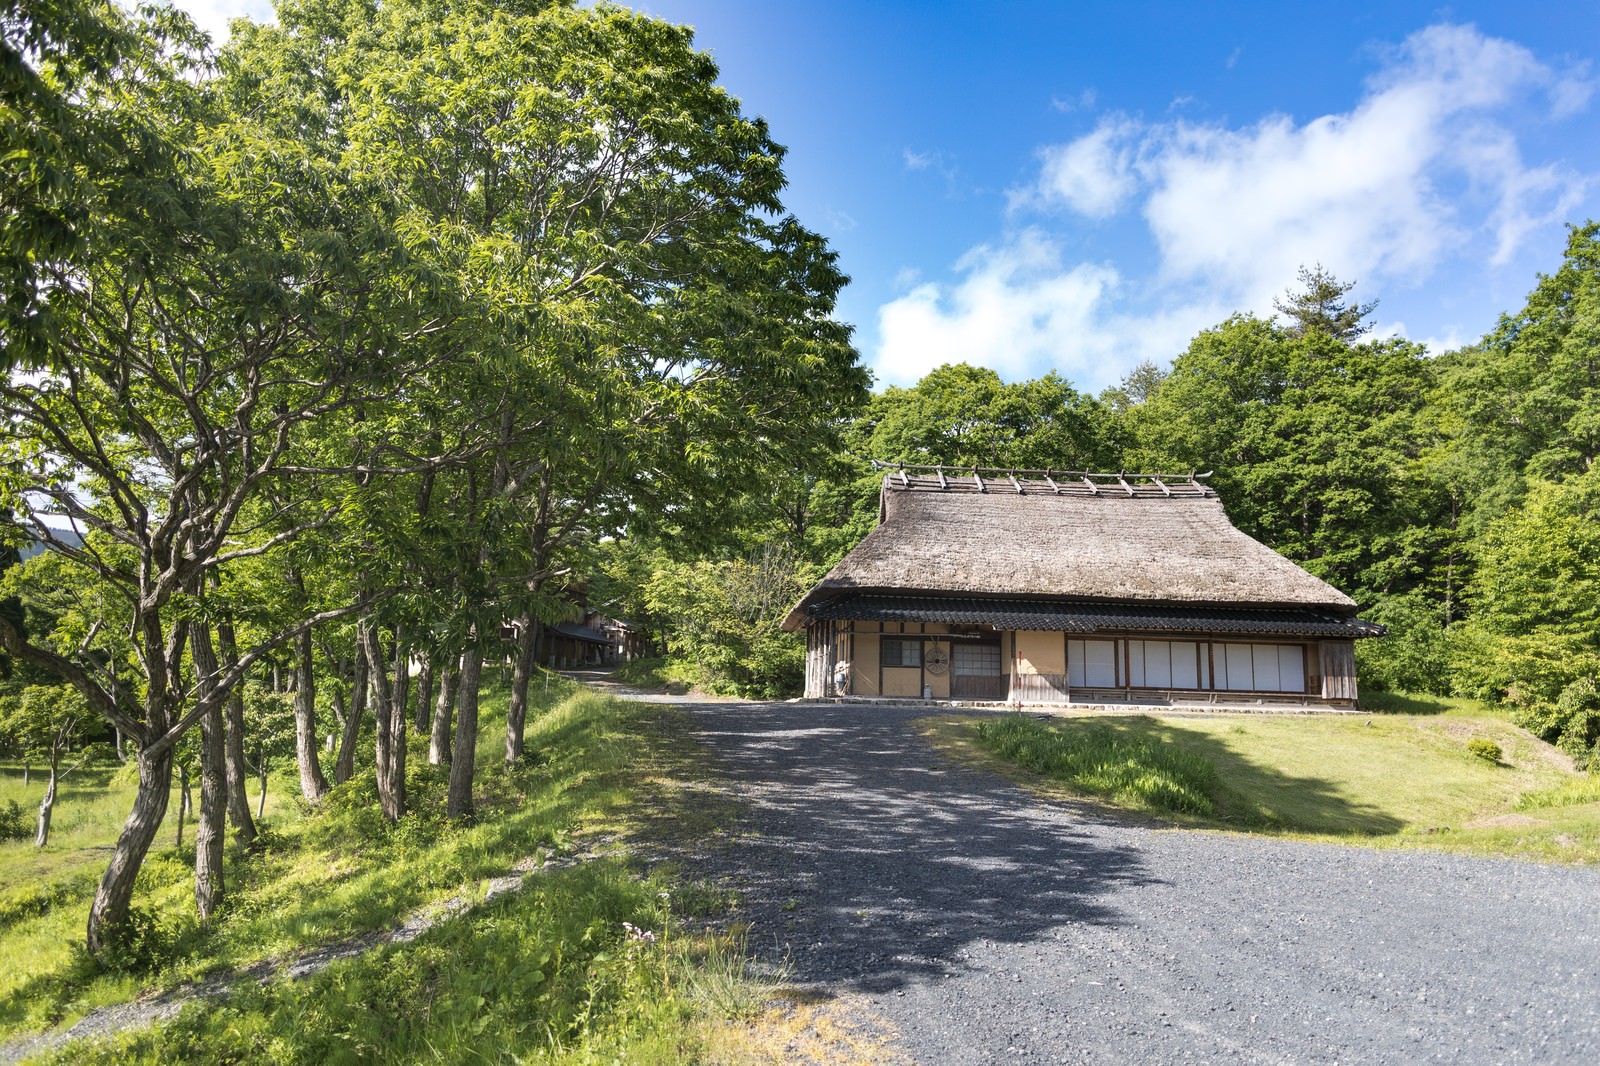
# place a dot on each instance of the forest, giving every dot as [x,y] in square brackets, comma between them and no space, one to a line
[338,359]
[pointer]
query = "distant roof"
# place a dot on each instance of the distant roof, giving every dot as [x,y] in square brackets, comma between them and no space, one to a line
[1108,537]
[577,632]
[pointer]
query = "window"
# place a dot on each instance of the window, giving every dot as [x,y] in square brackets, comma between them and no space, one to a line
[899,651]
[1261,667]
[1165,664]
[1092,663]
[976,660]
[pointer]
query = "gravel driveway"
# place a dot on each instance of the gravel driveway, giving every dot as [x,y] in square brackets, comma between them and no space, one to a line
[990,926]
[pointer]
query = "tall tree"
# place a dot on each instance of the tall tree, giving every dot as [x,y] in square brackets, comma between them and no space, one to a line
[233,302]
[1320,307]
[1526,400]
[657,333]
[1533,639]
[1314,443]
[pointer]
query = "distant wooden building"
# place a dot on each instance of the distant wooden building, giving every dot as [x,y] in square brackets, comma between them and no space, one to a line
[1039,587]
[596,641]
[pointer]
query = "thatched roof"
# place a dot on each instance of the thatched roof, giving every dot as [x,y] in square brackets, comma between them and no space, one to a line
[1111,538]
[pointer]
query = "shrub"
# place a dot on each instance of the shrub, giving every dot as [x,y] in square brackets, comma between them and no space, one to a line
[1103,762]
[1485,749]
[14,822]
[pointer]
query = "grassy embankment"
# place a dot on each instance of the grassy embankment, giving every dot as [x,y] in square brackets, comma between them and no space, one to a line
[1399,776]
[550,973]
[657,672]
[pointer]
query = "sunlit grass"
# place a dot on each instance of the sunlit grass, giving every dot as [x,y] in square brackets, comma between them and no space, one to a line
[547,973]
[1573,793]
[1384,779]
[1114,763]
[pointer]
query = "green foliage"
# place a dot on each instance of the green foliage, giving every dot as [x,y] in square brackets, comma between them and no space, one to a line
[724,619]
[35,717]
[1138,771]
[14,825]
[1527,399]
[1415,654]
[1313,441]
[1320,306]
[961,415]
[1534,638]
[37,898]
[1485,749]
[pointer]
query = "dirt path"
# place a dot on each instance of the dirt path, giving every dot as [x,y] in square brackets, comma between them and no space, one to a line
[989,926]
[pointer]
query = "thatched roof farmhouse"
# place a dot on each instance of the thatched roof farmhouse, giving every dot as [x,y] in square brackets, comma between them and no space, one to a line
[1051,587]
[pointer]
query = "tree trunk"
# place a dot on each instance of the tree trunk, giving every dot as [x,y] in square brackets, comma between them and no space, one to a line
[47,806]
[345,764]
[521,672]
[261,801]
[391,748]
[211,826]
[462,762]
[443,711]
[233,742]
[183,803]
[108,916]
[425,692]
[313,786]
[400,690]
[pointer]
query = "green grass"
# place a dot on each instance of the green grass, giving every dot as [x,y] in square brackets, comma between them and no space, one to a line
[45,892]
[1421,703]
[1100,761]
[91,804]
[548,973]
[1388,779]
[656,672]
[1577,792]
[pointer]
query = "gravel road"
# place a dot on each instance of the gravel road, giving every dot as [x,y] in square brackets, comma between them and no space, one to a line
[987,925]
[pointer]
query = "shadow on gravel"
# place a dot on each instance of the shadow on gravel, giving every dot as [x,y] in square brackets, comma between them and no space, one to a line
[865,858]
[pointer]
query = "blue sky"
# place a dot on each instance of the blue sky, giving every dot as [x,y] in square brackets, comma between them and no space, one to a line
[1079,186]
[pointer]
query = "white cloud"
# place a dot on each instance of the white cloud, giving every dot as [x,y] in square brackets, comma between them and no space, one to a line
[1093,175]
[916,160]
[839,221]
[1082,102]
[1014,309]
[1018,309]
[1420,166]
[1426,165]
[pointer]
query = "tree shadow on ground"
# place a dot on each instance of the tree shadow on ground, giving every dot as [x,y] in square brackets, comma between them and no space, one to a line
[862,856]
[1403,703]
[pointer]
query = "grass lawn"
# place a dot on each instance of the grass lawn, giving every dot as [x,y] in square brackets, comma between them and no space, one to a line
[655,672]
[1388,779]
[550,973]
